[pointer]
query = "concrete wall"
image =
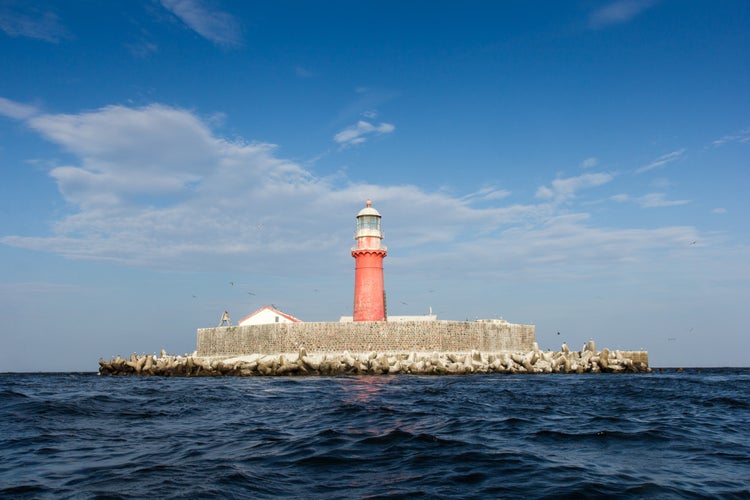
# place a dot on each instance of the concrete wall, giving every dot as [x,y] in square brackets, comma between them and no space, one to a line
[636,356]
[420,336]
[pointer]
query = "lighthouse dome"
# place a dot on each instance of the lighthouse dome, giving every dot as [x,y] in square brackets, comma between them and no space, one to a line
[368,210]
[368,223]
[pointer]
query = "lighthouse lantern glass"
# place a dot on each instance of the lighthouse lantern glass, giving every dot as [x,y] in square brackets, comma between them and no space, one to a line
[368,222]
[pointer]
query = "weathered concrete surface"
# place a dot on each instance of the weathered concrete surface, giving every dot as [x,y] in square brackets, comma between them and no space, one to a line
[369,336]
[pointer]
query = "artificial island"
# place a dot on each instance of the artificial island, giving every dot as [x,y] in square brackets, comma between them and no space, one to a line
[270,342]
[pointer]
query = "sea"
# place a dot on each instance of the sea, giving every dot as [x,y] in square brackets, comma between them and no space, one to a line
[666,434]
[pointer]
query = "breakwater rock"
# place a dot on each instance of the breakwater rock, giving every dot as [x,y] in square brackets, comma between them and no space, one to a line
[588,360]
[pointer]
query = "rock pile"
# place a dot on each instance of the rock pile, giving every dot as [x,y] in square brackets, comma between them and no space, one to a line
[588,360]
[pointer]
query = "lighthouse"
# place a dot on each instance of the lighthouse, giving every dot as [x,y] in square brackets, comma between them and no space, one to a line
[369,294]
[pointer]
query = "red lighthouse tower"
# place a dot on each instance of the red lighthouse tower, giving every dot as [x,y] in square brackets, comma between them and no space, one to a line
[369,294]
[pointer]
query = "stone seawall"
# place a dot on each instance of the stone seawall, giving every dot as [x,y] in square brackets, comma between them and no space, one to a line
[587,360]
[375,348]
[380,336]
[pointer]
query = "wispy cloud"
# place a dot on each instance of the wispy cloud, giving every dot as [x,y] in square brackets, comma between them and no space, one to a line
[216,26]
[16,110]
[142,48]
[27,20]
[564,189]
[617,12]
[590,162]
[741,136]
[650,200]
[486,194]
[361,131]
[655,200]
[365,105]
[570,247]
[660,183]
[620,198]
[154,186]
[661,161]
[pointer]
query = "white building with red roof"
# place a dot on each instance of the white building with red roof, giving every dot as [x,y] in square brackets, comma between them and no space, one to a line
[267,315]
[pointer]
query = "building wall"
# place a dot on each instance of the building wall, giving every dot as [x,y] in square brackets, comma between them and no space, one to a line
[421,336]
[264,317]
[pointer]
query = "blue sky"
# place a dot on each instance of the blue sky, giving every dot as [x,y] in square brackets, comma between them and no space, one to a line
[581,166]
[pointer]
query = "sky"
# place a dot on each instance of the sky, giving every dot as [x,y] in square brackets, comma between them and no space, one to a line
[581,166]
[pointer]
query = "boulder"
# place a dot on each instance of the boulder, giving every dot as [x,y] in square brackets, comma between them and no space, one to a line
[413,362]
[604,359]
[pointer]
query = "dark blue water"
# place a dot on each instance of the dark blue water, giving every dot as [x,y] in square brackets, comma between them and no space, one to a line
[658,435]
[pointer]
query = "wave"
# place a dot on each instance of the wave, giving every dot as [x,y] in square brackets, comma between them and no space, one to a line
[676,435]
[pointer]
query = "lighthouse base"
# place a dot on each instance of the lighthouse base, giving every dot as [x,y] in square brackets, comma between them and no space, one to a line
[366,336]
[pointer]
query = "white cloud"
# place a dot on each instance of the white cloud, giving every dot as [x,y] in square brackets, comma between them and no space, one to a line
[655,200]
[27,20]
[568,248]
[617,12]
[661,161]
[741,136]
[16,110]
[128,152]
[155,187]
[651,200]
[565,189]
[545,193]
[590,162]
[719,211]
[218,27]
[487,193]
[357,134]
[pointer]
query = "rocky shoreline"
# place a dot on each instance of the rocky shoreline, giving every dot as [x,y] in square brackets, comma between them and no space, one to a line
[588,360]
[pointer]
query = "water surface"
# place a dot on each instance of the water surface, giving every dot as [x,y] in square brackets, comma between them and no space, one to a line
[654,435]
